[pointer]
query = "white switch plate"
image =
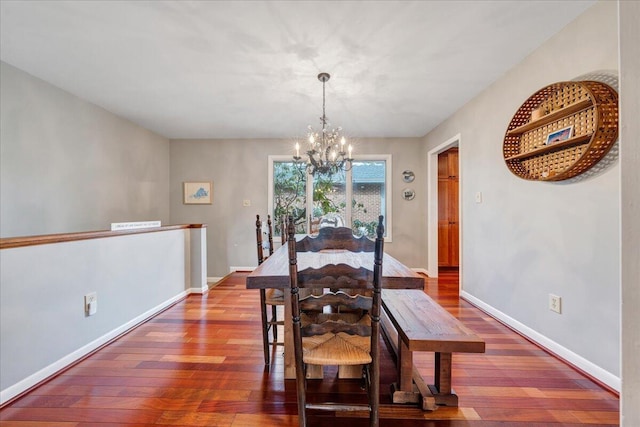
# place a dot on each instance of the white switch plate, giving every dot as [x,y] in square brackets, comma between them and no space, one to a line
[555,303]
[246,202]
[479,197]
[91,304]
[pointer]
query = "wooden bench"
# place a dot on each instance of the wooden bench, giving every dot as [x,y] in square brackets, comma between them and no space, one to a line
[414,322]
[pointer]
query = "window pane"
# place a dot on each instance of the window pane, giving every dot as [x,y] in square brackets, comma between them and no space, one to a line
[369,196]
[289,195]
[329,202]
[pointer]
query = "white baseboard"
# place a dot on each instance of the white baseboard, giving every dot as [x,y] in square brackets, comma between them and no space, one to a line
[212,281]
[14,390]
[567,355]
[203,290]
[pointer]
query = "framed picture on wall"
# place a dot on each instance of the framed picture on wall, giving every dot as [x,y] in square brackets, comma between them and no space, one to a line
[198,193]
[559,135]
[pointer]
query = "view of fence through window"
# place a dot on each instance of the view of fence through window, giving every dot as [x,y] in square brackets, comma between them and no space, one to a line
[364,185]
[369,196]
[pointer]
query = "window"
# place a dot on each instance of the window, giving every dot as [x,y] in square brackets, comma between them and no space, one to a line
[288,188]
[316,202]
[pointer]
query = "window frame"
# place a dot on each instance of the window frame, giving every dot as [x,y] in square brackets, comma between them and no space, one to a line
[387,158]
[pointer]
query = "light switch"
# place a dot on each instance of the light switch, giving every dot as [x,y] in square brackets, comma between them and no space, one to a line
[478,197]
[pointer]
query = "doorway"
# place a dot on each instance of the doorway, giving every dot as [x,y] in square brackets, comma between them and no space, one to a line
[448,223]
[433,208]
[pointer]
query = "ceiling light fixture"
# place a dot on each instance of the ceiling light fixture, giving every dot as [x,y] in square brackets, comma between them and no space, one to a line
[326,153]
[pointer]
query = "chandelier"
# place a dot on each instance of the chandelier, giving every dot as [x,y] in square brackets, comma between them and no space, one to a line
[326,153]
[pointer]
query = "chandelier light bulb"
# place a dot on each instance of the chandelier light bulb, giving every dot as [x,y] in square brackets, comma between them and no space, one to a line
[297,150]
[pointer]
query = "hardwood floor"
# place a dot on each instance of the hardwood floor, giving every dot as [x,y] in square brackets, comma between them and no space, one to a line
[200,363]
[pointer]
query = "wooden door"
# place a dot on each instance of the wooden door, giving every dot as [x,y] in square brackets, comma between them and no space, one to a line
[448,222]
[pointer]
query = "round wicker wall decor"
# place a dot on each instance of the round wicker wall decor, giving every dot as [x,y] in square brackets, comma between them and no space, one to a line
[562,130]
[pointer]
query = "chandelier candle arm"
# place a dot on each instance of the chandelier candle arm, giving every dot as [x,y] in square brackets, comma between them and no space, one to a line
[326,155]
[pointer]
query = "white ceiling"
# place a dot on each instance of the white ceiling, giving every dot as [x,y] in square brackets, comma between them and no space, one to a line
[247,69]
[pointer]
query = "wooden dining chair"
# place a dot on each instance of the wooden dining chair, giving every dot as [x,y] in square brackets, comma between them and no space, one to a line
[269,298]
[349,333]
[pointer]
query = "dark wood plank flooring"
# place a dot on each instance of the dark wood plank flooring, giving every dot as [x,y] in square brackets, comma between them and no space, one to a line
[200,363]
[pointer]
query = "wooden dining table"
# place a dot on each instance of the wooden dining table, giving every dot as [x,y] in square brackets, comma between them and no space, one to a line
[274,273]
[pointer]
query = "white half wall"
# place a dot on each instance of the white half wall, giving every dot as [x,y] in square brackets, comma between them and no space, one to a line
[43,324]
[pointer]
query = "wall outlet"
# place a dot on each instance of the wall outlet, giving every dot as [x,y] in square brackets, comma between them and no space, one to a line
[91,304]
[555,303]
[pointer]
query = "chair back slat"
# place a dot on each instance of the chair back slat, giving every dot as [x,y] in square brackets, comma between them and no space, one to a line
[342,299]
[336,276]
[335,238]
[331,326]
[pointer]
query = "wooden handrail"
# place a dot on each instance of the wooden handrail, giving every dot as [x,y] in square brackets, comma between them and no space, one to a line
[17,242]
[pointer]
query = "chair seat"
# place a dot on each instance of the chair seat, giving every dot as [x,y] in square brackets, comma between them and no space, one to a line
[340,348]
[274,297]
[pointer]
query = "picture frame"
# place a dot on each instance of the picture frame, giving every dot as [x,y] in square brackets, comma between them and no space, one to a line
[197,193]
[559,135]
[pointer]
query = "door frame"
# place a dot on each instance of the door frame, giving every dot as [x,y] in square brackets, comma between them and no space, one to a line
[432,203]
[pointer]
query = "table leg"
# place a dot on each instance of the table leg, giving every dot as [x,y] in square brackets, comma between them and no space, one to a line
[289,359]
[350,371]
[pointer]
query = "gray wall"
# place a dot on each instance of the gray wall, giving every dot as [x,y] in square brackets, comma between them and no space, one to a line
[630,221]
[529,239]
[68,165]
[239,171]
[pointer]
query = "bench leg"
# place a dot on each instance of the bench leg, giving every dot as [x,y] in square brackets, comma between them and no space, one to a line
[442,388]
[405,367]
[404,391]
